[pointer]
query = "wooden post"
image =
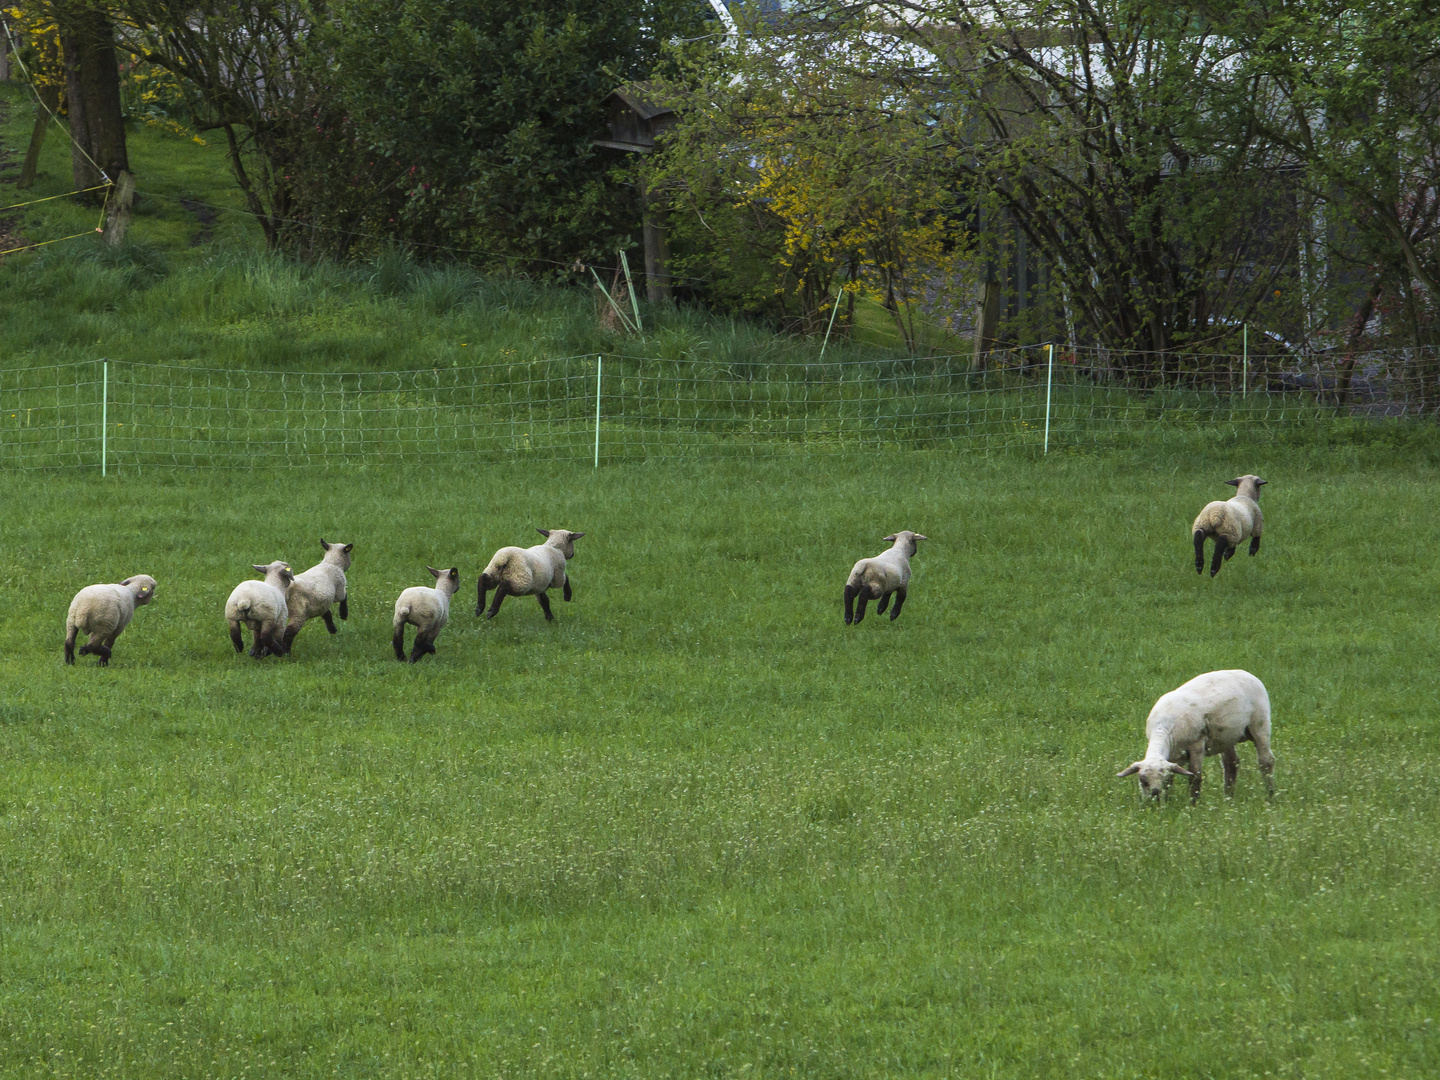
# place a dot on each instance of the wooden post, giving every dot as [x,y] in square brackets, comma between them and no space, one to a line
[987,319]
[117,219]
[49,105]
[657,248]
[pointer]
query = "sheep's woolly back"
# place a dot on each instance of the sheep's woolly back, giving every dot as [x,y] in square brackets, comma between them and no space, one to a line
[104,610]
[260,601]
[529,571]
[1237,518]
[427,609]
[888,571]
[1220,519]
[313,593]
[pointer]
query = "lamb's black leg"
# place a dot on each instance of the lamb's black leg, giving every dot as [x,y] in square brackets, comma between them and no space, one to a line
[545,606]
[70,647]
[423,645]
[566,592]
[289,638]
[500,593]
[481,588]
[1230,550]
[850,591]
[104,653]
[900,595]
[860,609]
[344,607]
[1219,556]
[278,644]
[236,639]
[398,641]
[1199,552]
[884,603]
[1254,544]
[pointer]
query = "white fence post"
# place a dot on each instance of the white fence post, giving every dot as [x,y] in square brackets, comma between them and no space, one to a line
[599,372]
[104,412]
[1049,382]
[1245,363]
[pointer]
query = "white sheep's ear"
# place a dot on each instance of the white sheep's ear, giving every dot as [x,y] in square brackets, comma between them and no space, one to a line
[261,569]
[1129,770]
[349,548]
[433,571]
[891,537]
[544,532]
[1234,483]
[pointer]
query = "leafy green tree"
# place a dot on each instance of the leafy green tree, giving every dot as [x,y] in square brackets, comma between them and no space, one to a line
[1357,93]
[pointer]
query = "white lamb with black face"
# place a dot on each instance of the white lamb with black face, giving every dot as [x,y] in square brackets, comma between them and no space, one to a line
[102,611]
[311,594]
[1211,714]
[428,610]
[1229,522]
[515,571]
[879,578]
[261,606]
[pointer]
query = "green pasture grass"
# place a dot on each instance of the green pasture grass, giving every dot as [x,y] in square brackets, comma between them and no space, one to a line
[696,826]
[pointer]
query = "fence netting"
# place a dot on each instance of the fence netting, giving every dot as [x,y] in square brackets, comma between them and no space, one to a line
[137,415]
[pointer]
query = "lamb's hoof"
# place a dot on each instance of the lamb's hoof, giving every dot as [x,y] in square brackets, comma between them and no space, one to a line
[894,616]
[848,620]
[479,612]
[549,617]
[489,614]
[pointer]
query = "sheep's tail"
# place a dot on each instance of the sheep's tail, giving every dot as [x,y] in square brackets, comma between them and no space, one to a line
[242,607]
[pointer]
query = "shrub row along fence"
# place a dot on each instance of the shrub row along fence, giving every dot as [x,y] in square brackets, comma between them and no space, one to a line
[113,416]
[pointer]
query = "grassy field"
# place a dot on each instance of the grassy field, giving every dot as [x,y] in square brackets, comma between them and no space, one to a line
[698,827]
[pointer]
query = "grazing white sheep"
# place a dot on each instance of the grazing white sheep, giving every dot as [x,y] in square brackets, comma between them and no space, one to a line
[1229,522]
[878,578]
[515,571]
[428,610]
[261,606]
[102,611]
[312,593]
[1211,714]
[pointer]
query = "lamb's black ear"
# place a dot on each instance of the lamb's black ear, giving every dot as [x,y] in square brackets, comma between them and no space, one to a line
[127,581]
[433,570]
[323,545]
[348,548]
[891,538]
[1234,483]
[454,573]
[544,532]
[576,536]
[1260,483]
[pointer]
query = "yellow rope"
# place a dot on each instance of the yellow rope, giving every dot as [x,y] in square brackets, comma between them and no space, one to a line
[32,202]
[42,243]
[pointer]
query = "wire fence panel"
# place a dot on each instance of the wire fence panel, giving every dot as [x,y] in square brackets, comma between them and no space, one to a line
[178,416]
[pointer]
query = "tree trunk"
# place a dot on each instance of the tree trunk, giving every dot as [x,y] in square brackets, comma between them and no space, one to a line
[92,93]
[49,105]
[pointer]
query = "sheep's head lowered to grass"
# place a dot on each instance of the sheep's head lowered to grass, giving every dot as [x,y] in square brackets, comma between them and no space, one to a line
[1153,775]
